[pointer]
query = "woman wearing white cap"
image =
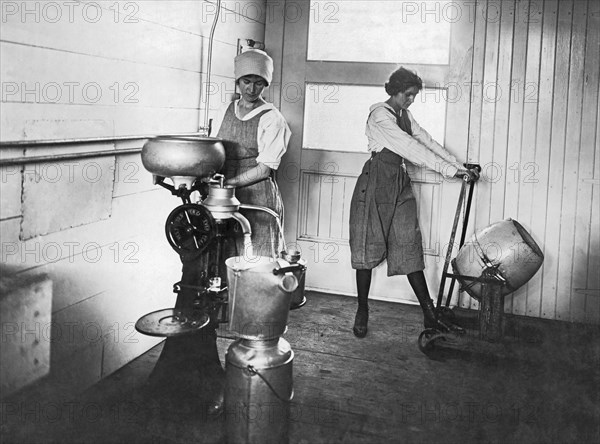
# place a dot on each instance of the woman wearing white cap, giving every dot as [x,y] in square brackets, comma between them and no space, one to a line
[255,135]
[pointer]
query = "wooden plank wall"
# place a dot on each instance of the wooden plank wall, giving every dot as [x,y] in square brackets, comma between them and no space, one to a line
[87,69]
[534,128]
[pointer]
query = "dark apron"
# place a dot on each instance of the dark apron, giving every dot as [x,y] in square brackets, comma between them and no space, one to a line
[383,215]
[241,150]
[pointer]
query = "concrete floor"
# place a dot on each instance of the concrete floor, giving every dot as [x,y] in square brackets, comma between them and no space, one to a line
[540,384]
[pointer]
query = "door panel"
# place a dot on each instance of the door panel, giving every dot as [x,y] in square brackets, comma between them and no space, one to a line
[317,183]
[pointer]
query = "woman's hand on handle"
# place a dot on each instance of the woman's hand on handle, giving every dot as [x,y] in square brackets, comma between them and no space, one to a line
[468,174]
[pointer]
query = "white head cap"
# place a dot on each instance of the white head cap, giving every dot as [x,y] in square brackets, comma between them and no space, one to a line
[253,62]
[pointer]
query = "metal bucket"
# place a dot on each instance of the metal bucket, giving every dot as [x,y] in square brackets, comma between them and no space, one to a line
[293,257]
[506,249]
[259,296]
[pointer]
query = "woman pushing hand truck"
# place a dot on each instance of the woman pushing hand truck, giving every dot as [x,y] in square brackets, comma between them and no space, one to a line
[383,211]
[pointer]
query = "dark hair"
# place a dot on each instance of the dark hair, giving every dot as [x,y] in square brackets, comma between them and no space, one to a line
[401,80]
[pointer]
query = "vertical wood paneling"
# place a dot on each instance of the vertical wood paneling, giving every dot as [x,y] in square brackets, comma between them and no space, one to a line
[528,174]
[557,158]
[494,123]
[586,275]
[325,203]
[515,93]
[488,116]
[476,120]
[311,193]
[592,303]
[542,152]
[543,141]
[349,185]
[475,114]
[572,149]
[500,98]
[338,198]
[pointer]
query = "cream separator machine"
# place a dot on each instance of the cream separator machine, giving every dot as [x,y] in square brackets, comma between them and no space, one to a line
[253,295]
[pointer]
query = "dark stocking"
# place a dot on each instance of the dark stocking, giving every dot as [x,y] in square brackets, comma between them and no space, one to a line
[419,286]
[431,320]
[363,284]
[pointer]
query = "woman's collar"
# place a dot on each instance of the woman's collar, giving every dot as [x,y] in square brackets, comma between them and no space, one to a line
[255,111]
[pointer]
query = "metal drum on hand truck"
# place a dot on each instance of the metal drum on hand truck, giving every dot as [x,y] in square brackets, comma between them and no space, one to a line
[504,248]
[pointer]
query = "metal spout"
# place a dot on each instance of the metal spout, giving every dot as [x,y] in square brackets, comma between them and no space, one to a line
[272,213]
[243,223]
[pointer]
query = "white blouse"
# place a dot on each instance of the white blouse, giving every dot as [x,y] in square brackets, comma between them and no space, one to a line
[419,149]
[273,133]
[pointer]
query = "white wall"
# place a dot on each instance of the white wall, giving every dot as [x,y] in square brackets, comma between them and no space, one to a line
[95,225]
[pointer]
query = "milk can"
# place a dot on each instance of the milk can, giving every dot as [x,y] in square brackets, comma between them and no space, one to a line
[258,391]
[258,366]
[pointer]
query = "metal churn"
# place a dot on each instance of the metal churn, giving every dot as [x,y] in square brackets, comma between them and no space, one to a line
[258,365]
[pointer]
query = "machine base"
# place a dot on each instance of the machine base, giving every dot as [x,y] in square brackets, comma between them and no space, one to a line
[172,322]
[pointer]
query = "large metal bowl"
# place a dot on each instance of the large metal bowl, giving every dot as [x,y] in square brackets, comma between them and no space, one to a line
[185,157]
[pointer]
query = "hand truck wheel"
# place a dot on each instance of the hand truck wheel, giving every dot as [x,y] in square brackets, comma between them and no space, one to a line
[427,339]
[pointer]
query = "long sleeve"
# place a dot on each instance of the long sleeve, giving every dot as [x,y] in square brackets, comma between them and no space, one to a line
[419,149]
[425,138]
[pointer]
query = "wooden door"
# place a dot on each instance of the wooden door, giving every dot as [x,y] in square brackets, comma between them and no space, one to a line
[326,103]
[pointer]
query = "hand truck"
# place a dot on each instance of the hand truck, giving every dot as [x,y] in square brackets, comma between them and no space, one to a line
[491,281]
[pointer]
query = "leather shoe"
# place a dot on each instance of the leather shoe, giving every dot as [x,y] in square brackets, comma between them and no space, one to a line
[360,323]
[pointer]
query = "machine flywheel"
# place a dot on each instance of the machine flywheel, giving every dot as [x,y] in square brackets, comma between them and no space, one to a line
[190,228]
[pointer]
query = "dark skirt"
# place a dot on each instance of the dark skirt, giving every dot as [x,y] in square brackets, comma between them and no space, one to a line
[383,218]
